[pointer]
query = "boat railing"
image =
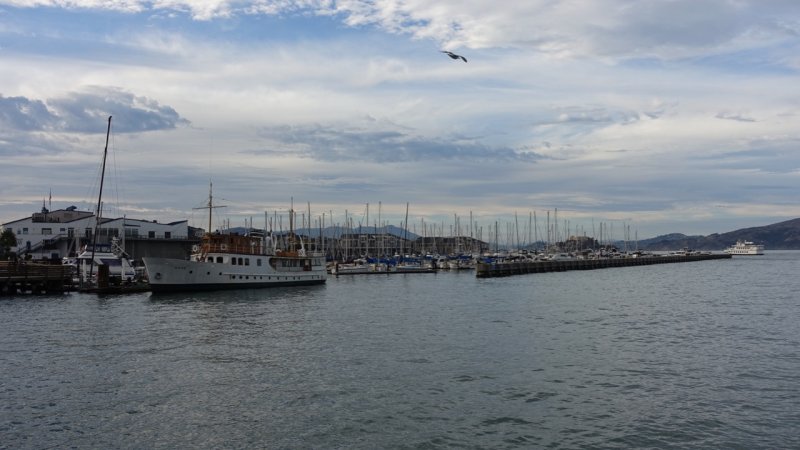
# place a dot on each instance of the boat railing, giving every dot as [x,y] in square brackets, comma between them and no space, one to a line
[160,237]
[231,248]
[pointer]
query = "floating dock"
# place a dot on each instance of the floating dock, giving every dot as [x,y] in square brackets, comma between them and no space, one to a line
[505,269]
[33,278]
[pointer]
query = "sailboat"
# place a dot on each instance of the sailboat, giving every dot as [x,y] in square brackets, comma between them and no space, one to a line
[105,268]
[231,261]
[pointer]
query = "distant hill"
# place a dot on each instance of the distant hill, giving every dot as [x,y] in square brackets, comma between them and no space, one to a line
[778,236]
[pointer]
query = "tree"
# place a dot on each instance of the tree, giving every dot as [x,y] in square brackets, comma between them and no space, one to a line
[7,240]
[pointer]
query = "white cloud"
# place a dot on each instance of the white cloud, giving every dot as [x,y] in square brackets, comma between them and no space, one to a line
[566,28]
[607,108]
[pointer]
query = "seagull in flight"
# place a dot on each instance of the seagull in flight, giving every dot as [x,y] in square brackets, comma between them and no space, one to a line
[453,55]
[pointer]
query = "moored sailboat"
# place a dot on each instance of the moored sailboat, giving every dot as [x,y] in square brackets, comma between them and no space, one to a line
[105,268]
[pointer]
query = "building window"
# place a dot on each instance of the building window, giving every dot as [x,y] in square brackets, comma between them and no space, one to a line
[24,231]
[151,234]
[233,261]
[240,262]
[247,261]
[167,235]
[258,262]
[47,231]
[219,259]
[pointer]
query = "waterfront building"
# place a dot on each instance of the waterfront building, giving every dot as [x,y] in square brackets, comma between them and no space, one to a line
[62,233]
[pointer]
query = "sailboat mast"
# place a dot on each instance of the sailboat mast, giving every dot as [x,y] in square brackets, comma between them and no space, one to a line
[99,200]
[405,231]
[210,203]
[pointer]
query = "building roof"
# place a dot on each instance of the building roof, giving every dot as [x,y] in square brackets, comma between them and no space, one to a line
[71,215]
[57,216]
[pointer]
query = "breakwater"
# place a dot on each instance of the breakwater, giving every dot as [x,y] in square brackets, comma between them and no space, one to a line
[508,268]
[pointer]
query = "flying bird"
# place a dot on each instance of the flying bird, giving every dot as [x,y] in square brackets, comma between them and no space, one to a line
[453,55]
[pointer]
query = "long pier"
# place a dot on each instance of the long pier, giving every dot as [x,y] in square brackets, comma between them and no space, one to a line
[32,278]
[505,269]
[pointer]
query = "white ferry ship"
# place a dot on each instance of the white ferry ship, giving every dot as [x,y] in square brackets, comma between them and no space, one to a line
[745,248]
[226,261]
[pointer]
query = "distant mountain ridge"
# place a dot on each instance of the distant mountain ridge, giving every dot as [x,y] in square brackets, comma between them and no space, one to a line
[778,236]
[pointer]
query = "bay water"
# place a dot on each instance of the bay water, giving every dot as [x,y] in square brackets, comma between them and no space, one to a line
[688,355]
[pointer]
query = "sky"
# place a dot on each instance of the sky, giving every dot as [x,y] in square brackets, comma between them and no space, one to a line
[655,116]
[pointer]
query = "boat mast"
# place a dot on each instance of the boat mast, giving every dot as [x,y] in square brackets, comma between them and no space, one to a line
[405,232]
[99,201]
[210,202]
[210,205]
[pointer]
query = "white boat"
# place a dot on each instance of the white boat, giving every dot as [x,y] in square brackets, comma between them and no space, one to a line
[359,267]
[119,266]
[231,261]
[414,266]
[745,248]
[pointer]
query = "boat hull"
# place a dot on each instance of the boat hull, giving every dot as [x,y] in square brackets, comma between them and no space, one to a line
[227,286]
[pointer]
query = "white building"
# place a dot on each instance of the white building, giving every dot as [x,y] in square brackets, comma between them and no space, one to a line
[60,233]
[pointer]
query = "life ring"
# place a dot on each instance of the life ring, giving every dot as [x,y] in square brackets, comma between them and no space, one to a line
[223,247]
[195,248]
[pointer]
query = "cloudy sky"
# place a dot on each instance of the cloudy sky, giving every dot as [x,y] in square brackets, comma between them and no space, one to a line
[662,115]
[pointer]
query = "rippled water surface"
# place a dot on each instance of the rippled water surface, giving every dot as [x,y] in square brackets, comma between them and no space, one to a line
[691,355]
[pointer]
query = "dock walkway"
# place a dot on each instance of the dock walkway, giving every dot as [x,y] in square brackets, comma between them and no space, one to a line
[33,278]
[504,269]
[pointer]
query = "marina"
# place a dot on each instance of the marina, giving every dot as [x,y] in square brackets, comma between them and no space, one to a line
[433,225]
